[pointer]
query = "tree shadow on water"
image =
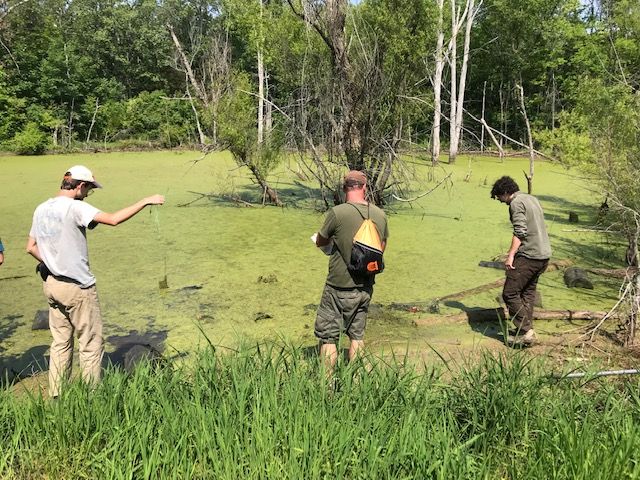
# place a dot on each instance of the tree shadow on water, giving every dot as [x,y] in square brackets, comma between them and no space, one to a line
[16,367]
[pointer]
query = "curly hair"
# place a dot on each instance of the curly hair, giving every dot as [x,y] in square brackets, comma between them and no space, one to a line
[504,185]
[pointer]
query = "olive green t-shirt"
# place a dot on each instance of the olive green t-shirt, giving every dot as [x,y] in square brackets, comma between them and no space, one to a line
[341,224]
[527,219]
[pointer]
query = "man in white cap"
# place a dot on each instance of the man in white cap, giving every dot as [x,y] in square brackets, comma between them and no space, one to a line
[58,240]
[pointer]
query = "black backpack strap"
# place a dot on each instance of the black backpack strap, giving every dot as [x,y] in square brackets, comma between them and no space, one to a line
[358,210]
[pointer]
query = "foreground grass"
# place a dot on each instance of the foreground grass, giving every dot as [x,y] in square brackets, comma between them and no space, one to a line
[267,412]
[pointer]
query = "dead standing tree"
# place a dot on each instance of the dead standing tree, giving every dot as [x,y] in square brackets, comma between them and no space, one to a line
[628,305]
[359,128]
[212,84]
[532,152]
[459,17]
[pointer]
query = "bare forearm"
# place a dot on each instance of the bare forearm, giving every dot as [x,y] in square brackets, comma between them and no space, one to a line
[32,249]
[511,254]
[321,241]
[515,245]
[126,213]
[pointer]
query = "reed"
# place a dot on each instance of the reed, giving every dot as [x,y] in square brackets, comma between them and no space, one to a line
[269,411]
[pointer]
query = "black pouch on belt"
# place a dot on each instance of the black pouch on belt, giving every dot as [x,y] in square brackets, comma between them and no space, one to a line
[43,271]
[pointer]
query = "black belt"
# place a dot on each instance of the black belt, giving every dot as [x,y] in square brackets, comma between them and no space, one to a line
[61,278]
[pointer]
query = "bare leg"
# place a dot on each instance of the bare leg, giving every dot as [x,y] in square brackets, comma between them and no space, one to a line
[354,348]
[329,353]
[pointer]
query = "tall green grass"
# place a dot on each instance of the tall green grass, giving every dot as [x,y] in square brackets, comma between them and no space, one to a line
[270,412]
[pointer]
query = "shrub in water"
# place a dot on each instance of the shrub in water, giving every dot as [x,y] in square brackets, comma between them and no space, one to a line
[30,141]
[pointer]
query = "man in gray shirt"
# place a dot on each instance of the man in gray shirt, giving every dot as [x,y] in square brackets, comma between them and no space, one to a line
[527,258]
[58,241]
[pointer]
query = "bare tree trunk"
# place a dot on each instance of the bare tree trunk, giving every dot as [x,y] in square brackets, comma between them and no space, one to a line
[532,154]
[457,102]
[93,120]
[187,66]
[260,98]
[268,192]
[632,251]
[70,122]
[503,119]
[495,141]
[201,135]
[632,319]
[453,66]
[553,101]
[437,88]
[484,96]
[268,116]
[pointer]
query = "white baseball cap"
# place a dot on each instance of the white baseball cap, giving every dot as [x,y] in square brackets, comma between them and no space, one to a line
[82,173]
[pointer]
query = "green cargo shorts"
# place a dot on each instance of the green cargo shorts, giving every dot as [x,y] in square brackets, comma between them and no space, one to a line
[342,311]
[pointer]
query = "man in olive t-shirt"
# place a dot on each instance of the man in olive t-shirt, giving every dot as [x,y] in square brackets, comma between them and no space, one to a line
[345,300]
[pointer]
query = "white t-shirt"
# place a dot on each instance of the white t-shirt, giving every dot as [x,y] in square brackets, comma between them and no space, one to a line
[59,229]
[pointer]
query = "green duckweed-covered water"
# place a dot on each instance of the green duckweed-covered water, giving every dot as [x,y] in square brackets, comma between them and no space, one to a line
[241,274]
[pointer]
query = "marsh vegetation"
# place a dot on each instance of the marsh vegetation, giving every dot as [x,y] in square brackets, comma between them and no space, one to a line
[267,412]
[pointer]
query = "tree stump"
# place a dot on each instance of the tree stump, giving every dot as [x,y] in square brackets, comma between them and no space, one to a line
[577,277]
[139,354]
[41,320]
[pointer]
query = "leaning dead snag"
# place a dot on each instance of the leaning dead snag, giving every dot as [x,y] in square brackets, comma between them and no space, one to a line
[532,154]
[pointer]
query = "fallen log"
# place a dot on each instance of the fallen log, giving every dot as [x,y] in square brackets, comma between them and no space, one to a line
[499,264]
[614,272]
[482,315]
[417,306]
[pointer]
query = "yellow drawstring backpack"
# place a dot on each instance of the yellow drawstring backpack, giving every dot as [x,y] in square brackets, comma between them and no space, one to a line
[366,252]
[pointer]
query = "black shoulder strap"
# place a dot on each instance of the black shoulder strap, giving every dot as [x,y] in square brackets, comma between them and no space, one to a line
[358,210]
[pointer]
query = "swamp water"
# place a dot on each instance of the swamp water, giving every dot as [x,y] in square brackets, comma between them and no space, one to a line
[173,273]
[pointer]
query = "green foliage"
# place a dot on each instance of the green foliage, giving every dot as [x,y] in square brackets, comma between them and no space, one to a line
[601,133]
[151,116]
[568,142]
[63,56]
[238,133]
[29,141]
[266,412]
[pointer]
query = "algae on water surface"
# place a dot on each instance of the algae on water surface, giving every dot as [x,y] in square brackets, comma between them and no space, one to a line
[434,250]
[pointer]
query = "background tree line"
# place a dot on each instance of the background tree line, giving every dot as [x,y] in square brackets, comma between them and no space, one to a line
[342,84]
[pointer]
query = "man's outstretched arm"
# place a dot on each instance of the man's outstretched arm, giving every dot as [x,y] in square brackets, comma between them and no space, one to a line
[126,213]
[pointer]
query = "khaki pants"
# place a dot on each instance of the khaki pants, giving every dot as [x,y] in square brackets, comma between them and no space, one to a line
[73,310]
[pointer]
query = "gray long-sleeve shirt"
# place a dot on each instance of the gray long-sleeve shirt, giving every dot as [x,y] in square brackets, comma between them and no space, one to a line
[527,219]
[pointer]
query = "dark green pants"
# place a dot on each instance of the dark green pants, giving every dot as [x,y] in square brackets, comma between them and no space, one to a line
[519,291]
